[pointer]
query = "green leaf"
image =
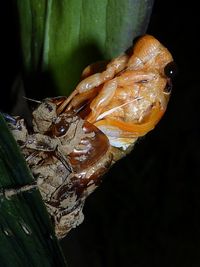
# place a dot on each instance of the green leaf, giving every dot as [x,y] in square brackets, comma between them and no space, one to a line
[61,37]
[26,235]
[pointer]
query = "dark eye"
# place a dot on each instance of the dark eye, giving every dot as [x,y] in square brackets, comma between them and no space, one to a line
[60,128]
[170,70]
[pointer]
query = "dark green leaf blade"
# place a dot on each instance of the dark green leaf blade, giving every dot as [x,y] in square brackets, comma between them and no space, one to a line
[26,235]
[75,33]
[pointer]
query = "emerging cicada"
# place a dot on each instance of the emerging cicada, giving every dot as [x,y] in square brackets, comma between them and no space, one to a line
[75,140]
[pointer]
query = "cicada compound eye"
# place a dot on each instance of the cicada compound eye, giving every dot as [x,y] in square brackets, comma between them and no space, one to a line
[60,128]
[170,70]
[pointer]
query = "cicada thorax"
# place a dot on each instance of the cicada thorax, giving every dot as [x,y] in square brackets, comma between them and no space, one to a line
[82,142]
[83,148]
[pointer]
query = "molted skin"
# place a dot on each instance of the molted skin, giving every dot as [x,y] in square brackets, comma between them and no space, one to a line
[67,156]
[75,140]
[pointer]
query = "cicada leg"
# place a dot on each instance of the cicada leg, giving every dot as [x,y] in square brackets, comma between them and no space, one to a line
[9,192]
[93,81]
[96,67]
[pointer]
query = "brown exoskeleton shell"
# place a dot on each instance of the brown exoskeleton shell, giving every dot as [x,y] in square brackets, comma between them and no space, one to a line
[67,156]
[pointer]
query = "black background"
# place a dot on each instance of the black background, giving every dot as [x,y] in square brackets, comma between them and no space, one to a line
[146,212]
